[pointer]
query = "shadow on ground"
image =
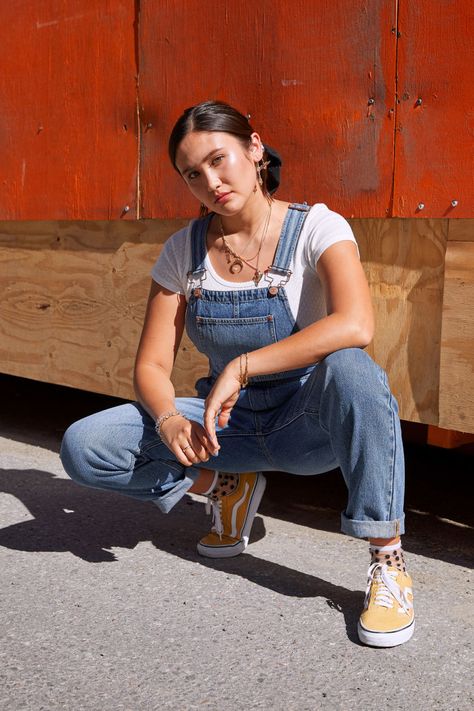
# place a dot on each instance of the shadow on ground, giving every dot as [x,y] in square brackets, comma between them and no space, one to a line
[440,484]
[91,524]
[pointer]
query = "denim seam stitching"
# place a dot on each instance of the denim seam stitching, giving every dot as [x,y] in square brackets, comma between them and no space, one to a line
[267,432]
[392,454]
[392,463]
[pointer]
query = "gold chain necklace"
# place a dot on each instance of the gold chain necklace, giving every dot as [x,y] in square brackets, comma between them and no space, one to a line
[252,237]
[236,261]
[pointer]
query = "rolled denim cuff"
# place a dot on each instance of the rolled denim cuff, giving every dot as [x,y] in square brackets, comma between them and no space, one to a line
[373,529]
[166,501]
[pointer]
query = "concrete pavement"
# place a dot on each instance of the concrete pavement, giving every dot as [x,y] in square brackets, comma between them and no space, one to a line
[105,604]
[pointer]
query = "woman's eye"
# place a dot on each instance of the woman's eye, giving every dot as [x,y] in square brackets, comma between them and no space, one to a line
[193,175]
[217,160]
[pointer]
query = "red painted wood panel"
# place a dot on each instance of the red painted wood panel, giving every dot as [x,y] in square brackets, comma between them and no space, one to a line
[68,120]
[304,70]
[434,161]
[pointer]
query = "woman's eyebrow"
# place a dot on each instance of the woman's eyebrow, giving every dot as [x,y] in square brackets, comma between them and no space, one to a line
[214,150]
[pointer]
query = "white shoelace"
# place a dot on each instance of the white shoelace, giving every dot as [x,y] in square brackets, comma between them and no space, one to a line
[387,588]
[215,507]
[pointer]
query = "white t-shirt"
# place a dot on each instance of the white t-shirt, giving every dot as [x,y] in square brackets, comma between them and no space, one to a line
[322,228]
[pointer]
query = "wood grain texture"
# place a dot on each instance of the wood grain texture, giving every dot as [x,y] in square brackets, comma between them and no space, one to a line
[461,230]
[74,296]
[434,156]
[304,71]
[68,129]
[457,339]
[404,264]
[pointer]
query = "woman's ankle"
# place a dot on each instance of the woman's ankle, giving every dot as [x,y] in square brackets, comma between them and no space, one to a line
[204,483]
[396,541]
[387,551]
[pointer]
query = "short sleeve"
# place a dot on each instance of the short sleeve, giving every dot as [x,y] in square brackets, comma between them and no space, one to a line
[324,228]
[171,268]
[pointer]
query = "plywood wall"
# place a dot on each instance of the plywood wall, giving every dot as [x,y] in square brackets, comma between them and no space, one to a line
[404,262]
[74,297]
[457,337]
[73,300]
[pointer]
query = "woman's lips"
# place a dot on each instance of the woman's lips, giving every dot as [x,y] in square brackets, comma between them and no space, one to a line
[220,199]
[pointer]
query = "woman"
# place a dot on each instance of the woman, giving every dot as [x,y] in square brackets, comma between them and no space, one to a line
[275,295]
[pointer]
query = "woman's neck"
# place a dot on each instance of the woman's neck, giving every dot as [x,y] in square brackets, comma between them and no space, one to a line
[248,219]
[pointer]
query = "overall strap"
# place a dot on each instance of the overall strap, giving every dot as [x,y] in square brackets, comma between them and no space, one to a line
[198,249]
[292,226]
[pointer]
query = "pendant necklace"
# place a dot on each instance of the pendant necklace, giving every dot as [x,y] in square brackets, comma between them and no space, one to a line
[236,261]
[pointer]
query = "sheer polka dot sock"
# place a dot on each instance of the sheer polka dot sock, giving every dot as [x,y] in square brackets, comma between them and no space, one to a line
[390,555]
[222,485]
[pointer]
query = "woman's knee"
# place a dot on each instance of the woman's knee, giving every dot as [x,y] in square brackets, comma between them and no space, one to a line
[73,450]
[353,372]
[91,450]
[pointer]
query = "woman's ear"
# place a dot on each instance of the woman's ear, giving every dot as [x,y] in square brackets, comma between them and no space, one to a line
[256,147]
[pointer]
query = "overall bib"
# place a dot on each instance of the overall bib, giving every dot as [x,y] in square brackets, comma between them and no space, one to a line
[338,412]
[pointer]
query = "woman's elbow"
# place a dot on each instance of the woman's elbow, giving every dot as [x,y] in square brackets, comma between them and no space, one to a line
[364,332]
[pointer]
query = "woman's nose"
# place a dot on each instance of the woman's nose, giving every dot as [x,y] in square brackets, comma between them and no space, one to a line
[213,182]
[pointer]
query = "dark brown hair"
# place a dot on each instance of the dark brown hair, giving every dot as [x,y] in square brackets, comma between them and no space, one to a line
[213,116]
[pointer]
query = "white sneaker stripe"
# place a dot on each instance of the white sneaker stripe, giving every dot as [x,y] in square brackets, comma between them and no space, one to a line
[235,510]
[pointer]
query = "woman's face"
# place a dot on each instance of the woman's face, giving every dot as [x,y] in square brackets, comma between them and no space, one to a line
[218,169]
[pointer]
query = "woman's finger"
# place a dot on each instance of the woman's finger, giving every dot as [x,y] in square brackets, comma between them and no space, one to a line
[185,454]
[226,409]
[204,440]
[200,449]
[224,416]
[181,457]
[210,414]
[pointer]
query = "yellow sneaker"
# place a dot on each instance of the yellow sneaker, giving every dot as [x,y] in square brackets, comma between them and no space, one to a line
[388,618]
[233,515]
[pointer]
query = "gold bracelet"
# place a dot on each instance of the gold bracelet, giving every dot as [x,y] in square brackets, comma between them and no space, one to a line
[244,374]
[166,416]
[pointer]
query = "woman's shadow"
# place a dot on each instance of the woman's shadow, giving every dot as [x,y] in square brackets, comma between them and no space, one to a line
[90,524]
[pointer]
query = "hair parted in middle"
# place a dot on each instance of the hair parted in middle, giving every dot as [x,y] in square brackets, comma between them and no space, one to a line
[216,116]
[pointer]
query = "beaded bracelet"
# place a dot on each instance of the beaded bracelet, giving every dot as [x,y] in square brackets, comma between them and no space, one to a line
[166,416]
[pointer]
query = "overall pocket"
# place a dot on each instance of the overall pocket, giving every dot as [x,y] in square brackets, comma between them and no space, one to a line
[227,338]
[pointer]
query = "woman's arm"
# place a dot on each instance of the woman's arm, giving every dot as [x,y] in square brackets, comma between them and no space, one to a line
[349,324]
[159,343]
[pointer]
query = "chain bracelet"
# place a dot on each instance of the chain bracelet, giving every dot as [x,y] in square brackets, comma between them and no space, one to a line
[166,416]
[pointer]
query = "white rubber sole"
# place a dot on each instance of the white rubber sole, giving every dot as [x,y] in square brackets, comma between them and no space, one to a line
[238,547]
[385,639]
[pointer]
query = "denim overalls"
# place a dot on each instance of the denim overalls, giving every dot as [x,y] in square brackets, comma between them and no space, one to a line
[339,412]
[224,324]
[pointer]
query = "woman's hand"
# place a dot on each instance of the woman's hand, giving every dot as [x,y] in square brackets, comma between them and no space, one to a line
[221,400]
[187,440]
